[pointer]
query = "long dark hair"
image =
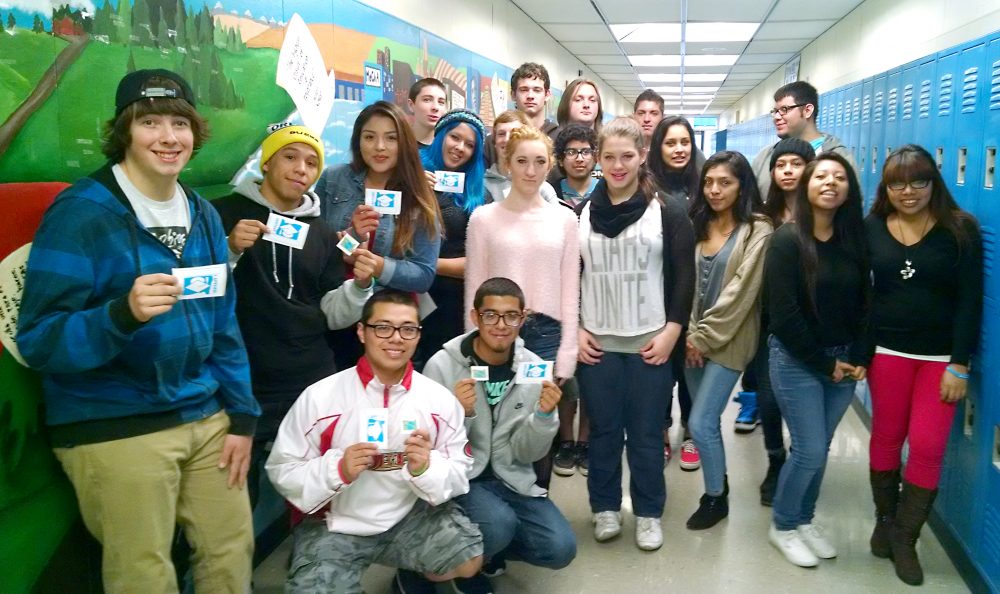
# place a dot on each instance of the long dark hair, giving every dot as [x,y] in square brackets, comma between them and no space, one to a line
[664,176]
[911,162]
[774,203]
[408,177]
[848,225]
[748,205]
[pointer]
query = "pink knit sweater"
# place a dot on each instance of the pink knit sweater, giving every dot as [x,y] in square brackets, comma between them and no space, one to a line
[538,250]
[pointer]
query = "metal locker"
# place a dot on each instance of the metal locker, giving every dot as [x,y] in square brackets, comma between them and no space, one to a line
[852,120]
[924,101]
[864,141]
[876,141]
[892,113]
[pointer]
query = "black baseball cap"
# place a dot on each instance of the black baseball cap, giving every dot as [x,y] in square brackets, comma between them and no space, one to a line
[135,86]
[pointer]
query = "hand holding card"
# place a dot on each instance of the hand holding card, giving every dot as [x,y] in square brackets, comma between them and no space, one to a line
[199,282]
[384,201]
[534,372]
[286,231]
[449,181]
[152,295]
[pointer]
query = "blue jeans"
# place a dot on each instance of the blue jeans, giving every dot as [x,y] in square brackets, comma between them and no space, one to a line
[541,335]
[812,406]
[710,387]
[622,395]
[518,527]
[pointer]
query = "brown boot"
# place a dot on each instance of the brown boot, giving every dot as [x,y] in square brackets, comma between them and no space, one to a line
[885,493]
[914,507]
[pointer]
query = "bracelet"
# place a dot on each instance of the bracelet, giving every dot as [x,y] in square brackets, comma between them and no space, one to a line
[959,375]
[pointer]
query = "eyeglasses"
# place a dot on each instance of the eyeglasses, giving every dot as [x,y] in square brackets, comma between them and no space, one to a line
[916,184]
[512,319]
[386,331]
[784,109]
[572,152]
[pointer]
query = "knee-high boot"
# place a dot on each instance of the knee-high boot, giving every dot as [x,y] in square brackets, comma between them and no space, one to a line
[914,507]
[885,493]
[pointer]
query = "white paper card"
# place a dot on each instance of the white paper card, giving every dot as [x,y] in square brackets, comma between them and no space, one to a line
[384,201]
[348,244]
[375,426]
[286,231]
[481,373]
[198,282]
[302,72]
[534,372]
[449,181]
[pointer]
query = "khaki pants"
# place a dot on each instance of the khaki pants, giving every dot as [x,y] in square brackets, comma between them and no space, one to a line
[132,492]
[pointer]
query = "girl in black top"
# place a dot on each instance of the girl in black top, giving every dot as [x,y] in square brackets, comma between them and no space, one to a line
[817,281]
[928,273]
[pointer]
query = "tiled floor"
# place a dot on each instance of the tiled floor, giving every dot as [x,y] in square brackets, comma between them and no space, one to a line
[734,556]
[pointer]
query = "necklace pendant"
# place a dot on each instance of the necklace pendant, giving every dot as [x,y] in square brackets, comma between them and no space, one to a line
[908,272]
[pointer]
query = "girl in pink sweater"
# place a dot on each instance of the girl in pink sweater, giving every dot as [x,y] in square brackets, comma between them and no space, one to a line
[533,243]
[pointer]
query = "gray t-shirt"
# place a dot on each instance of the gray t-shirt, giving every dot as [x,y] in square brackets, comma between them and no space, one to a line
[711,271]
[168,220]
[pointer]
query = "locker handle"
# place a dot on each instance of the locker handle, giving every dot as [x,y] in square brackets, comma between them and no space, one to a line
[991,159]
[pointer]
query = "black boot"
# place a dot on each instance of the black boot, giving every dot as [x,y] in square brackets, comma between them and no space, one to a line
[711,509]
[914,507]
[770,484]
[885,493]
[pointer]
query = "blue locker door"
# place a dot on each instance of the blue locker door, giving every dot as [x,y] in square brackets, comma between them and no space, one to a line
[909,89]
[838,125]
[972,81]
[864,140]
[893,102]
[925,101]
[852,108]
[876,144]
[987,549]
[948,95]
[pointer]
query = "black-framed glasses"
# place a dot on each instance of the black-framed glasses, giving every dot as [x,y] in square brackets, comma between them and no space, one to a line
[916,184]
[573,152]
[387,330]
[784,109]
[512,319]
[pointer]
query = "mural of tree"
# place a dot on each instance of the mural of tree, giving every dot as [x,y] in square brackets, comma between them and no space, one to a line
[37,25]
[123,22]
[11,21]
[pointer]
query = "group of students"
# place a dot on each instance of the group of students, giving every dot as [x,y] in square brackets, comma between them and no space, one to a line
[663,267]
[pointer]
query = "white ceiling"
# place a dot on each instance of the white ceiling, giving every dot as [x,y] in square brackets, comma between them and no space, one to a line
[786,26]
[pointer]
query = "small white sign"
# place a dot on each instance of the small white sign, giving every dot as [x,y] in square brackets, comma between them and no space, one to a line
[449,181]
[286,231]
[534,372]
[481,373]
[498,95]
[348,244]
[384,201]
[302,72]
[375,427]
[199,282]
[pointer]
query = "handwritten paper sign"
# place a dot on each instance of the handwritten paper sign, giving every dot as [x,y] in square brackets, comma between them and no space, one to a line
[302,73]
[12,272]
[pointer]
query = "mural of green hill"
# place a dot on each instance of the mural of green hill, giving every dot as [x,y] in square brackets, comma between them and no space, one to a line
[26,57]
[69,124]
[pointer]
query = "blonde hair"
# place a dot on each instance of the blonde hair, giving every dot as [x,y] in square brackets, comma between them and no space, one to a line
[512,115]
[526,134]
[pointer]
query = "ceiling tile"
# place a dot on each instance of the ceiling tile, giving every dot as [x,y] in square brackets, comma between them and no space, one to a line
[775,46]
[638,11]
[579,32]
[560,11]
[621,76]
[653,48]
[790,10]
[757,76]
[745,11]
[788,29]
[766,58]
[604,60]
[592,47]
[760,68]
[714,47]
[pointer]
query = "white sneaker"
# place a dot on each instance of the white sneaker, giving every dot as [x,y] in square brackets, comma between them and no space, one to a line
[812,535]
[607,525]
[648,533]
[792,547]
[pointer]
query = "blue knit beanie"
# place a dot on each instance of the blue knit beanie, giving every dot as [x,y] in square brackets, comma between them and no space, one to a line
[462,116]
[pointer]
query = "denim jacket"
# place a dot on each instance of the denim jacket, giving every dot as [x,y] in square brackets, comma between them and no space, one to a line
[341,190]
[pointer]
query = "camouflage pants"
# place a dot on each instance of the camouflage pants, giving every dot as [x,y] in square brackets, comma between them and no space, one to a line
[427,540]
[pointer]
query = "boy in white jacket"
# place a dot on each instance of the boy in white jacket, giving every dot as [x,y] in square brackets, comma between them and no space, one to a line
[372,455]
[510,425]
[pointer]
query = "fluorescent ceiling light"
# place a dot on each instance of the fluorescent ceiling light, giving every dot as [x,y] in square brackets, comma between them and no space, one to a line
[695,32]
[647,32]
[676,77]
[711,32]
[686,90]
[686,97]
[655,60]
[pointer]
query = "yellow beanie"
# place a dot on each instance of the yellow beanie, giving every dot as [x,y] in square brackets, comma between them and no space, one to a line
[282,135]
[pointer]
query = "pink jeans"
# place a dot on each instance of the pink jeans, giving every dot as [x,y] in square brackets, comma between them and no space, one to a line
[906,404]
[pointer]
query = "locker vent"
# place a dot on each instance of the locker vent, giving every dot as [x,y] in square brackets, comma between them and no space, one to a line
[995,86]
[866,109]
[856,111]
[970,81]
[907,103]
[989,250]
[893,105]
[877,107]
[991,532]
[838,119]
[944,96]
[925,99]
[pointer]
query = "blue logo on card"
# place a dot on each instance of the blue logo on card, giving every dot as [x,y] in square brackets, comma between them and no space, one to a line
[385,200]
[450,180]
[199,285]
[536,370]
[288,230]
[376,430]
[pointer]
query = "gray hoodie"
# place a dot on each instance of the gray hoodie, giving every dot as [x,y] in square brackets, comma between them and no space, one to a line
[514,434]
[498,186]
[762,162]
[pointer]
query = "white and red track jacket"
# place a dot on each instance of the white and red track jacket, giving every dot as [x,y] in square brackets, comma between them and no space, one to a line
[304,464]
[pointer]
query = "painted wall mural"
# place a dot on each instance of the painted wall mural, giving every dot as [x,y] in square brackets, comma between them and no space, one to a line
[59,67]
